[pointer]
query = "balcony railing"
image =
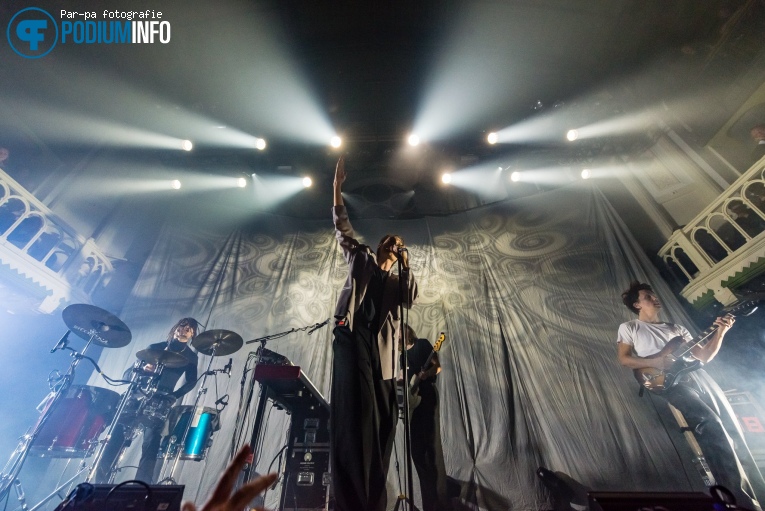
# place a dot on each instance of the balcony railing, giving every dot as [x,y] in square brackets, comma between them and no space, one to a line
[724,246]
[40,247]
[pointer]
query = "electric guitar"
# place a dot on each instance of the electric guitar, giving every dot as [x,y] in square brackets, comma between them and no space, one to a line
[414,383]
[679,350]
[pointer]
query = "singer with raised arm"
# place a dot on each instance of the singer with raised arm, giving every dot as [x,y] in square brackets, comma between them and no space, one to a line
[363,404]
[149,412]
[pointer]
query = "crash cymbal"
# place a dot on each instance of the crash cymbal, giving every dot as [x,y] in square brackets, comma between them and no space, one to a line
[93,323]
[221,342]
[168,358]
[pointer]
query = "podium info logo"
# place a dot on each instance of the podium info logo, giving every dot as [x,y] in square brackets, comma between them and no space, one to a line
[32,33]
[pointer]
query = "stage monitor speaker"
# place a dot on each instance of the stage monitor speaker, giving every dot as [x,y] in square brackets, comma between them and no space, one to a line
[636,501]
[123,497]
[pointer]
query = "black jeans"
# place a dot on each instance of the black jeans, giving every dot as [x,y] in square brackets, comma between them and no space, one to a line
[427,452]
[717,445]
[363,415]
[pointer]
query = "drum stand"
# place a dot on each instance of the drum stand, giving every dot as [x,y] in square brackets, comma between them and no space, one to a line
[180,444]
[83,465]
[9,476]
[120,409]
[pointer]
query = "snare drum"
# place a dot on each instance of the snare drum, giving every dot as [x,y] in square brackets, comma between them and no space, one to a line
[204,423]
[155,408]
[158,407]
[75,422]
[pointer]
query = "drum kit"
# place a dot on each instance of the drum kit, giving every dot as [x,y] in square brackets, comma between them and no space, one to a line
[74,418]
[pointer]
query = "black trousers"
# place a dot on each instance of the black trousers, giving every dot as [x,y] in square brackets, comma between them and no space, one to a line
[363,414]
[152,436]
[719,449]
[427,452]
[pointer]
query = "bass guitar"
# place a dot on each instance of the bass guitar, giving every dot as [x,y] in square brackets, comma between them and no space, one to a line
[414,384]
[679,351]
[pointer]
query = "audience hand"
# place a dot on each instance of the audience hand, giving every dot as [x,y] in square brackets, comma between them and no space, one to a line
[222,499]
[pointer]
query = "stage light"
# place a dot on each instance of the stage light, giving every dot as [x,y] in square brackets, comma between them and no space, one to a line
[413,140]
[492,138]
[572,135]
[175,184]
[260,144]
[515,176]
[241,182]
[336,142]
[186,145]
[586,173]
[446,178]
[307,182]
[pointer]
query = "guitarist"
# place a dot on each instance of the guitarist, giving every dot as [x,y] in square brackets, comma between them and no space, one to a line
[425,423]
[645,336]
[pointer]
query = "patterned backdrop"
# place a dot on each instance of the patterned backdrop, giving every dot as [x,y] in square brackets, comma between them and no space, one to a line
[528,294]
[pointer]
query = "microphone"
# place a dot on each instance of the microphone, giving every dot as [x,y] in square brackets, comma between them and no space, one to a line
[227,368]
[61,344]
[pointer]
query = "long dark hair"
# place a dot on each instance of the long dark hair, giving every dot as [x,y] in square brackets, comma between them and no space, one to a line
[193,323]
[386,240]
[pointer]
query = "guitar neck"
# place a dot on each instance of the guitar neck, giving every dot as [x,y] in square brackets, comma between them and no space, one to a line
[427,363]
[701,339]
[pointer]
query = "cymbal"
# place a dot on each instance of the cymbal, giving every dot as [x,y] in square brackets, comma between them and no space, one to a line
[93,323]
[168,358]
[217,342]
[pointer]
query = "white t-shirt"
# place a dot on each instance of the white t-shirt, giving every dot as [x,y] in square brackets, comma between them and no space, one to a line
[650,338]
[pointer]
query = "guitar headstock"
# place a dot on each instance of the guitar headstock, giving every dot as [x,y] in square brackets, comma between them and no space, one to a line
[439,342]
[743,309]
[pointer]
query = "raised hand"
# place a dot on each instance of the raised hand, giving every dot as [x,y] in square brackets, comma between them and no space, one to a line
[339,180]
[340,171]
[222,499]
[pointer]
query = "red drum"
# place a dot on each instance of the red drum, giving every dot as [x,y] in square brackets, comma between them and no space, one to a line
[75,422]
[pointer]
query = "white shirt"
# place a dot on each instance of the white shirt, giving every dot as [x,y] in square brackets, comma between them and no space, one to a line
[649,338]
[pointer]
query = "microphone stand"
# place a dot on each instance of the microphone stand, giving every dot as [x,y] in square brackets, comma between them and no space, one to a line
[260,412]
[264,395]
[403,284]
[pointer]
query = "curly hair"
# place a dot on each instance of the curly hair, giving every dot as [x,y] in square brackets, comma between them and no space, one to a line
[632,295]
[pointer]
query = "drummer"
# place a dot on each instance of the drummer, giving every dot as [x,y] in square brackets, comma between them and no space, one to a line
[178,341]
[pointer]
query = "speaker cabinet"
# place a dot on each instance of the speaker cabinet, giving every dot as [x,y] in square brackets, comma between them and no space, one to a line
[658,501]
